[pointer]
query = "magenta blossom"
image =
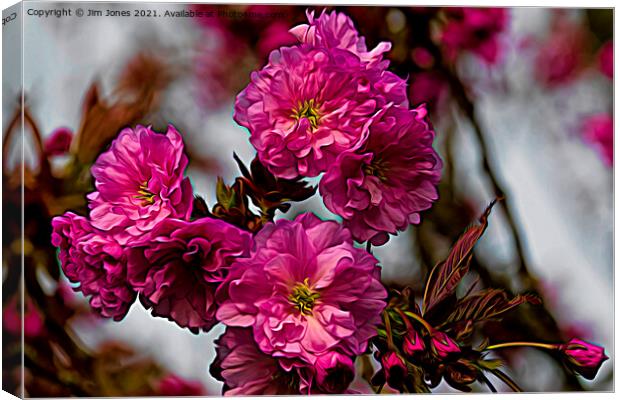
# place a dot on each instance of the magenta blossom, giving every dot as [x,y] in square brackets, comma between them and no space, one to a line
[473,29]
[33,319]
[139,181]
[336,31]
[606,59]
[598,130]
[305,290]
[310,104]
[179,266]
[332,373]
[443,346]
[583,357]
[382,187]
[58,142]
[94,259]
[413,343]
[394,369]
[273,36]
[245,370]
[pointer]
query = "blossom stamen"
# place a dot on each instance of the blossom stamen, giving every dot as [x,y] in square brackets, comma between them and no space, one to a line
[145,195]
[376,168]
[308,110]
[303,297]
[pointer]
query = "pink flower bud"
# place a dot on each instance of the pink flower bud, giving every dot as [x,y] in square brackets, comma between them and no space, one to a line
[583,357]
[413,343]
[442,345]
[334,372]
[58,142]
[394,368]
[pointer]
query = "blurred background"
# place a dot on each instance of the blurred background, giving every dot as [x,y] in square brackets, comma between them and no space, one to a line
[521,100]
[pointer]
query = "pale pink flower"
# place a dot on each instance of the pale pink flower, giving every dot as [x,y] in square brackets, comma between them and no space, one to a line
[180,265]
[95,259]
[336,30]
[305,290]
[383,186]
[139,181]
[310,104]
[246,370]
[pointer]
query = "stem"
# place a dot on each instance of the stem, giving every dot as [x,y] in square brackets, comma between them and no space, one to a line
[522,344]
[388,330]
[468,108]
[487,382]
[506,379]
[420,320]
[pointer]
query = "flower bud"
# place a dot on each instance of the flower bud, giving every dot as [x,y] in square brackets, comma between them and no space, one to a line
[582,357]
[58,142]
[413,343]
[394,368]
[334,372]
[442,345]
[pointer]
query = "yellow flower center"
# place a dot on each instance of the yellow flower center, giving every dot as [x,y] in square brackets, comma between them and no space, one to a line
[377,168]
[309,110]
[303,297]
[145,195]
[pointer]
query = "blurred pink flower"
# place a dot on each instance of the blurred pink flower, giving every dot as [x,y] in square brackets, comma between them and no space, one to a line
[58,142]
[382,187]
[598,130]
[245,370]
[336,30]
[139,181]
[473,29]
[583,357]
[33,319]
[178,267]
[305,290]
[442,345]
[309,104]
[606,59]
[173,385]
[95,260]
[561,56]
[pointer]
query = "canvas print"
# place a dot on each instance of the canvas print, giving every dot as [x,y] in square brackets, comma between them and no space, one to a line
[243,199]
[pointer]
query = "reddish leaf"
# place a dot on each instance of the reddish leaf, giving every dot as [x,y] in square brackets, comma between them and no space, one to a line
[445,277]
[487,304]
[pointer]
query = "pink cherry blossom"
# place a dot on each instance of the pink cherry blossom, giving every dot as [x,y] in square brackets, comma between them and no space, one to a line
[139,181]
[336,30]
[382,187]
[310,104]
[305,290]
[246,370]
[95,259]
[179,266]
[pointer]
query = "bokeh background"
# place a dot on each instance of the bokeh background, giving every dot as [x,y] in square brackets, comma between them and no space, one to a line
[527,114]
